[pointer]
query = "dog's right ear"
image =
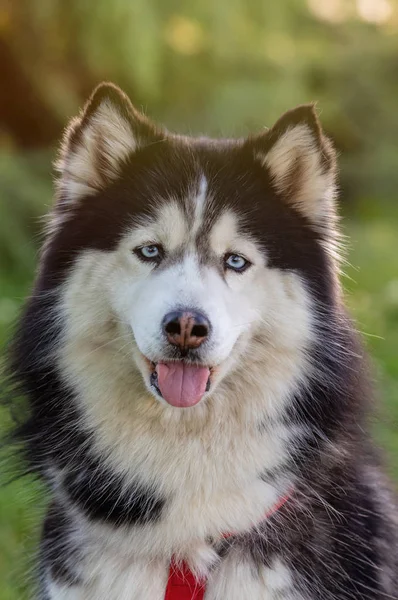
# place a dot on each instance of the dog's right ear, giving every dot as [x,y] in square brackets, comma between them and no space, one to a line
[97,143]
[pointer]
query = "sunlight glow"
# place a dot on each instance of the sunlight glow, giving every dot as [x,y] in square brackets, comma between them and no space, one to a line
[184,35]
[374,11]
[334,11]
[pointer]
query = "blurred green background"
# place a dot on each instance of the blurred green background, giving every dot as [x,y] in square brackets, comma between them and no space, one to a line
[224,67]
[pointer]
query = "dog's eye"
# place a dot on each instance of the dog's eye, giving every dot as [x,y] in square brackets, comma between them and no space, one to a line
[151,253]
[236,262]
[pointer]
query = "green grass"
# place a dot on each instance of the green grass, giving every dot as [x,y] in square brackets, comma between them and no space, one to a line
[372,295]
[371,283]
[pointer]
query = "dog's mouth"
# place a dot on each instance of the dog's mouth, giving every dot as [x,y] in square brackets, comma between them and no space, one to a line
[181,384]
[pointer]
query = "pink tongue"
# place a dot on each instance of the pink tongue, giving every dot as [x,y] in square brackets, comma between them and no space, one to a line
[182,385]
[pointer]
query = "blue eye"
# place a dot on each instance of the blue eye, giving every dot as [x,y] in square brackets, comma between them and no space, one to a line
[236,262]
[150,253]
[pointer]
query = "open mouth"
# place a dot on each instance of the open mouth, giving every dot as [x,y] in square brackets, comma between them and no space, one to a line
[181,384]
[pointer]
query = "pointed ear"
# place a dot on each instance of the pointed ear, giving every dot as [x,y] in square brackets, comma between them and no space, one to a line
[301,162]
[97,143]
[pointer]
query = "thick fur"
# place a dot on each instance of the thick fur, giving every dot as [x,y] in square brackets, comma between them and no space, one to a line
[135,481]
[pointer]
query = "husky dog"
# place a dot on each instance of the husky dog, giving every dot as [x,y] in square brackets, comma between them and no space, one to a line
[192,372]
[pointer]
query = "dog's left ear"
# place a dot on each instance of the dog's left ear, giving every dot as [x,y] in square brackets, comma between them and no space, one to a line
[301,162]
[97,143]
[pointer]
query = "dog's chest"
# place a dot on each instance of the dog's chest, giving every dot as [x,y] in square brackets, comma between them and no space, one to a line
[111,577]
[208,488]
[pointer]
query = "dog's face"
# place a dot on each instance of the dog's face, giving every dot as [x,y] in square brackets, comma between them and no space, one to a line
[194,257]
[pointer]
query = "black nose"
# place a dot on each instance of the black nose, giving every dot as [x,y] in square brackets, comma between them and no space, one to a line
[186,328]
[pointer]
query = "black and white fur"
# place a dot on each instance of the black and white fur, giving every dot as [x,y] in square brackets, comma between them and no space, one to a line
[134,480]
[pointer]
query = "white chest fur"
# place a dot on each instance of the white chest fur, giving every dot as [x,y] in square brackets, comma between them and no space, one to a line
[235,579]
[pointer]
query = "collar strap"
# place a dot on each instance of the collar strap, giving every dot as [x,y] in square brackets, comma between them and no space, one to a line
[182,583]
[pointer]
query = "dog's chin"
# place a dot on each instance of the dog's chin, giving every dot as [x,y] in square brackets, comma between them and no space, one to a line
[199,385]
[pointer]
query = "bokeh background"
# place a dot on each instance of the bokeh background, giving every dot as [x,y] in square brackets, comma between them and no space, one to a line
[224,67]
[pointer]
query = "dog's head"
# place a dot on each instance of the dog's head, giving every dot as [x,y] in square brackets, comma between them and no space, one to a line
[194,258]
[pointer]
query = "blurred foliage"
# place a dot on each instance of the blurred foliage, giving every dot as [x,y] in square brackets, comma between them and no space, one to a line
[225,67]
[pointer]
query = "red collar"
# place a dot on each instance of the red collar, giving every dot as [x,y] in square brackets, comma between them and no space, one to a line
[182,583]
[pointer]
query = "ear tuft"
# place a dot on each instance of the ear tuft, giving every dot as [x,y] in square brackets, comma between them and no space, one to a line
[97,143]
[301,162]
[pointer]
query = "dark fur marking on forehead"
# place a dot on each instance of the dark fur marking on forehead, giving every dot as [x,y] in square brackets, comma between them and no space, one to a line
[173,170]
